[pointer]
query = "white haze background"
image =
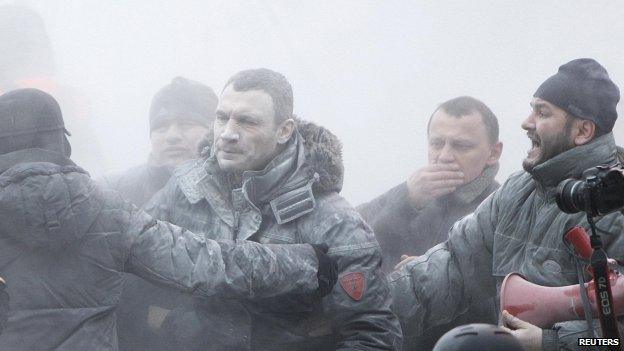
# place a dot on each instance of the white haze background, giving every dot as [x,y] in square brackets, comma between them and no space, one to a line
[371,71]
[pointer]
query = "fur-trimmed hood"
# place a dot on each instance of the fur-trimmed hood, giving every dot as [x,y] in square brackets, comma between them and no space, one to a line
[323,153]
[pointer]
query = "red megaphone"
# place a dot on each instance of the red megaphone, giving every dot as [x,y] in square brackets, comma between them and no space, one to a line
[544,306]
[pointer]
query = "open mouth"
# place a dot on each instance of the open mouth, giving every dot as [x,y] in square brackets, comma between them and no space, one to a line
[535,143]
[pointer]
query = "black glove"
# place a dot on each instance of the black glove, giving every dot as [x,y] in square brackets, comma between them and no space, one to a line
[327,270]
[4,305]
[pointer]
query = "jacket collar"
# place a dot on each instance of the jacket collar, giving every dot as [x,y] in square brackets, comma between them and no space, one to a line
[11,159]
[287,171]
[572,163]
[285,184]
[471,191]
[158,172]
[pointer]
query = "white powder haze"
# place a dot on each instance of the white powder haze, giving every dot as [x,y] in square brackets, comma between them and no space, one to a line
[371,71]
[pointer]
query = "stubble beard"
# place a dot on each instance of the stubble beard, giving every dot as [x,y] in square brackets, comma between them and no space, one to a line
[551,148]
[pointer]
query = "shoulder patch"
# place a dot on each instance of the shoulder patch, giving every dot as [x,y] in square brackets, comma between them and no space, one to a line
[354,285]
[294,204]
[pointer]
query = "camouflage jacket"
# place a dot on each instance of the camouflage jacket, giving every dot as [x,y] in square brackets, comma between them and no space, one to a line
[518,228]
[293,200]
[64,244]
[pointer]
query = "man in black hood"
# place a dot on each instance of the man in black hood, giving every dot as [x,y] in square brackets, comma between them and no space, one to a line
[64,243]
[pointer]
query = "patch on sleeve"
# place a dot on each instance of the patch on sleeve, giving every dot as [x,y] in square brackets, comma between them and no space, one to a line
[354,284]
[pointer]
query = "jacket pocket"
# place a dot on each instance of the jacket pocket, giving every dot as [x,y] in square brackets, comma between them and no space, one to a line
[279,234]
[507,254]
[539,264]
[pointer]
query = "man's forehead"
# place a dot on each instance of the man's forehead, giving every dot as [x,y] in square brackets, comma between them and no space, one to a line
[540,103]
[179,118]
[441,117]
[249,101]
[465,127]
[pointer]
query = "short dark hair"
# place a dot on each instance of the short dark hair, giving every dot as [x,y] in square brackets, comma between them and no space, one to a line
[465,105]
[272,83]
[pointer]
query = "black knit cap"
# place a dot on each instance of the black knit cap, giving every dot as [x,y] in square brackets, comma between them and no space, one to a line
[582,87]
[183,99]
[30,118]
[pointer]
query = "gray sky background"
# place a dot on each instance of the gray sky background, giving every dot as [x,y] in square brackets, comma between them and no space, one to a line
[371,71]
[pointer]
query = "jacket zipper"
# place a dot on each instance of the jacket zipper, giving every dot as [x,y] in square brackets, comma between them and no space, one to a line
[236,220]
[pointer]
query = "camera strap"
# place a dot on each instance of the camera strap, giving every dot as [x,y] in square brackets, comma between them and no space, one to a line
[585,299]
[604,296]
[577,243]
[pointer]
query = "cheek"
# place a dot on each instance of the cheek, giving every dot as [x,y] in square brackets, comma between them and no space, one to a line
[216,132]
[432,155]
[157,141]
[473,163]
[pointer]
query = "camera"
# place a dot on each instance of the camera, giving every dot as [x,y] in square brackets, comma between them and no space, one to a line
[600,192]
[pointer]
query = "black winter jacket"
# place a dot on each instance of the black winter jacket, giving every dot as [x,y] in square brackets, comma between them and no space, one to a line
[64,243]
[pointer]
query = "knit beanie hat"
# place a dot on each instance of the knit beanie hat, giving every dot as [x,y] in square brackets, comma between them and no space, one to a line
[183,99]
[582,87]
[31,118]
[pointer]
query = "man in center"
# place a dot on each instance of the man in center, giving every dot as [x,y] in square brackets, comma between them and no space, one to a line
[463,151]
[271,179]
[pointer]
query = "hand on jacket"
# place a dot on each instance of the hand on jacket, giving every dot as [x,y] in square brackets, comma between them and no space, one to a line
[405,259]
[433,181]
[328,269]
[529,335]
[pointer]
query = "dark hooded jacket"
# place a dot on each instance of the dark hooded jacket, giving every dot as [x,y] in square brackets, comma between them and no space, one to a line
[403,230]
[294,199]
[64,243]
[135,330]
[518,228]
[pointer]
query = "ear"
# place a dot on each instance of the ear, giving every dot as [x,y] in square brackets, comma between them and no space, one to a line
[495,153]
[285,130]
[583,132]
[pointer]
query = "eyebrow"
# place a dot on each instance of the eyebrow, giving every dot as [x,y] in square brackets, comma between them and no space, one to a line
[245,116]
[539,106]
[453,140]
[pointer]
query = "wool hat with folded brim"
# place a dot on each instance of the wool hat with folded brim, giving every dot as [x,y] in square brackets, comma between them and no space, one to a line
[582,87]
[183,99]
[31,118]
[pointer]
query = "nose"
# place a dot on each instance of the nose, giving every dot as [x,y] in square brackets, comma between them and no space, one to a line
[446,154]
[529,122]
[173,133]
[230,132]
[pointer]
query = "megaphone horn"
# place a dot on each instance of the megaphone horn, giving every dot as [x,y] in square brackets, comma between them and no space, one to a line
[544,306]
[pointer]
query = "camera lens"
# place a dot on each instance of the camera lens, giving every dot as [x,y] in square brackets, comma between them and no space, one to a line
[571,196]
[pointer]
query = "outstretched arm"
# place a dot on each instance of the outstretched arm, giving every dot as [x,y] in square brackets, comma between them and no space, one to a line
[172,256]
[437,287]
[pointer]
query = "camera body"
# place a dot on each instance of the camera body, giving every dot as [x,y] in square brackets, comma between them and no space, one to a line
[601,191]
